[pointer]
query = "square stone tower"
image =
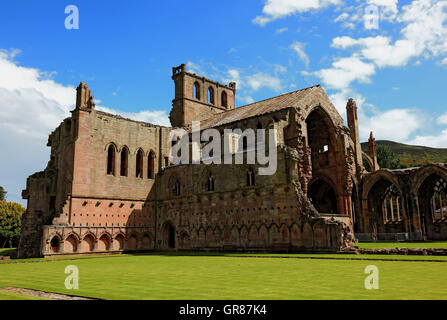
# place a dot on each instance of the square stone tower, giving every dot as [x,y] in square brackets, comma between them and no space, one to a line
[198,98]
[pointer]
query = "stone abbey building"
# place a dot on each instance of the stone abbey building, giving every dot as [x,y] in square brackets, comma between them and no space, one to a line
[109,185]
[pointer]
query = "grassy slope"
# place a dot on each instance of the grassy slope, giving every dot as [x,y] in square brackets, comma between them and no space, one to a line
[173,277]
[413,155]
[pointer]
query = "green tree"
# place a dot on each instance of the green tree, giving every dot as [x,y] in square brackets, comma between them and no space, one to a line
[10,222]
[2,193]
[386,158]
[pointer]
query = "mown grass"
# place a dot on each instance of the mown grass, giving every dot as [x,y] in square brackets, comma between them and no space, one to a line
[206,277]
[419,245]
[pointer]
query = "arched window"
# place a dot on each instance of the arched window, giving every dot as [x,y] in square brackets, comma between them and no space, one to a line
[55,244]
[177,188]
[250,177]
[111,160]
[392,205]
[319,134]
[224,99]
[244,143]
[197,90]
[124,162]
[211,95]
[151,165]
[210,183]
[139,164]
[439,200]
[323,196]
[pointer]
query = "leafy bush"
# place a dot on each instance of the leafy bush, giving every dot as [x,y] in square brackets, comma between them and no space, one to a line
[10,222]
[2,193]
[386,158]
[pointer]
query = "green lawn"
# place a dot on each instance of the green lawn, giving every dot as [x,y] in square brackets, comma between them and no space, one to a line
[374,245]
[202,277]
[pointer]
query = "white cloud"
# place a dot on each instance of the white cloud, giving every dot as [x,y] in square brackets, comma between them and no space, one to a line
[263,80]
[280,69]
[340,99]
[246,99]
[255,81]
[388,8]
[298,47]
[195,68]
[276,9]
[281,30]
[432,141]
[25,91]
[234,75]
[443,119]
[344,71]
[380,50]
[395,124]
[424,34]
[342,17]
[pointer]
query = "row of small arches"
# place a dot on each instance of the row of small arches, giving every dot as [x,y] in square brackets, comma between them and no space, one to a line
[211,95]
[263,236]
[89,243]
[124,163]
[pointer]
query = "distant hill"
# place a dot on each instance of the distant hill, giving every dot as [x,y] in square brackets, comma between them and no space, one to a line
[413,156]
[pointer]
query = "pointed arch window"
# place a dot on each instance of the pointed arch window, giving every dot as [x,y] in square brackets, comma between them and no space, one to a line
[244,143]
[392,205]
[439,200]
[177,188]
[139,164]
[211,95]
[250,177]
[196,91]
[210,183]
[124,162]
[224,99]
[111,160]
[151,165]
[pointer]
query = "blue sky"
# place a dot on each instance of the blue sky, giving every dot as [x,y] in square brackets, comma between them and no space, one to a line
[125,53]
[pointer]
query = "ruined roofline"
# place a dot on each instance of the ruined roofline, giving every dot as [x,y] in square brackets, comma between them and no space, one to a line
[281,95]
[86,102]
[181,69]
[119,117]
[242,108]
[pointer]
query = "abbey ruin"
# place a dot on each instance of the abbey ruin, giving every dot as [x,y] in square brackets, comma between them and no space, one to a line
[110,187]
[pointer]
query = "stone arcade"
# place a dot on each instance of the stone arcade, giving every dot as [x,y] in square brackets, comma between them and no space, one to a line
[109,185]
